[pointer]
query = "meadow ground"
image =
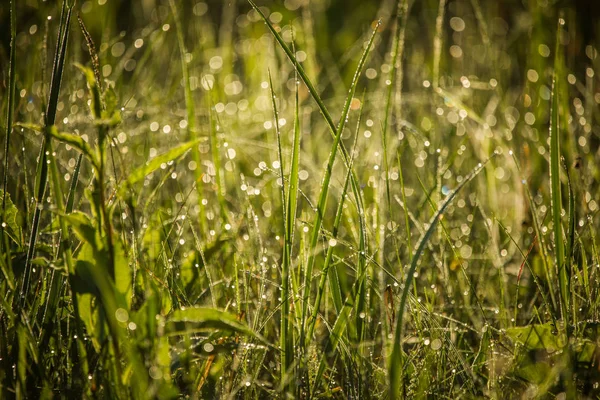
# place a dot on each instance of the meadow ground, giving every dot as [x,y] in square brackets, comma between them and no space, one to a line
[299,199]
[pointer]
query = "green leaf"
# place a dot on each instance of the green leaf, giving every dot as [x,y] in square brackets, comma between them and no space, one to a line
[76,142]
[202,319]
[154,164]
[83,227]
[9,217]
[96,105]
[31,127]
[83,280]
[123,275]
[536,373]
[537,337]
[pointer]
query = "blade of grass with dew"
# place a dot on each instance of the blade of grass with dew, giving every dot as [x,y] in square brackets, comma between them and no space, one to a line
[394,373]
[339,327]
[286,341]
[80,356]
[4,246]
[150,166]
[49,118]
[335,289]
[538,233]
[190,113]
[555,186]
[395,79]
[214,146]
[404,207]
[11,102]
[279,151]
[570,240]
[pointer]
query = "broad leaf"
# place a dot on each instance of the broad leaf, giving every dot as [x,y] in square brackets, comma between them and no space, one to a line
[537,337]
[202,319]
[154,164]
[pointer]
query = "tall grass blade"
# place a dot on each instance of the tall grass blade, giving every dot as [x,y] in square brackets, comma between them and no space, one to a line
[11,100]
[437,42]
[190,112]
[555,185]
[395,367]
[287,344]
[279,150]
[49,118]
[335,289]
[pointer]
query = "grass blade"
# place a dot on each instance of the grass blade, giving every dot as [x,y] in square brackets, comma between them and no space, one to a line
[331,246]
[11,99]
[49,118]
[555,185]
[286,341]
[190,112]
[395,367]
[154,164]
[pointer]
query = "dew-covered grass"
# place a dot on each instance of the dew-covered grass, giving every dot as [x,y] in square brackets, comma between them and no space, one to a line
[299,199]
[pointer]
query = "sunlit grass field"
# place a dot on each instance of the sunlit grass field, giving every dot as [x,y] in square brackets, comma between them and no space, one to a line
[299,199]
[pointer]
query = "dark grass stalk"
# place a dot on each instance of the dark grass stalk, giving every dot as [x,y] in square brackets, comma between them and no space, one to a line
[4,245]
[49,118]
[11,102]
[395,367]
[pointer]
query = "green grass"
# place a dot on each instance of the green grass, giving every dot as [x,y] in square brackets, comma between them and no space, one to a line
[324,199]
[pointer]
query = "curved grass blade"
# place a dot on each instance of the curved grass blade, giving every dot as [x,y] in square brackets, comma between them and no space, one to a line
[208,319]
[395,367]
